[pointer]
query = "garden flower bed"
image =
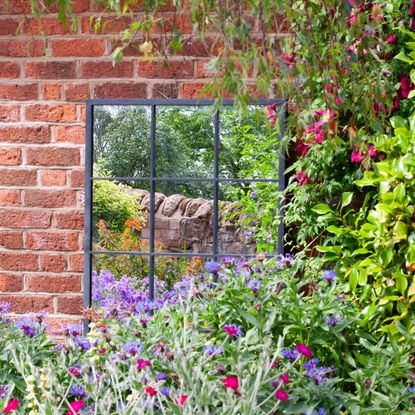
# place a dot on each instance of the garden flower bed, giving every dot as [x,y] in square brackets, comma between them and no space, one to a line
[261,336]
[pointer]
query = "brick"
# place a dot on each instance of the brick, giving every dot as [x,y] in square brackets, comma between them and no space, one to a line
[51,113]
[9,70]
[9,113]
[15,7]
[70,134]
[26,304]
[8,27]
[78,178]
[52,177]
[80,6]
[10,156]
[51,91]
[170,90]
[50,70]
[82,113]
[48,25]
[93,69]
[53,156]
[77,47]
[22,48]
[120,90]
[11,239]
[197,48]
[52,241]
[70,220]
[201,69]
[133,49]
[9,197]
[24,219]
[77,92]
[174,70]
[109,24]
[18,92]
[11,282]
[53,284]
[14,261]
[76,262]
[53,262]
[35,135]
[70,305]
[193,90]
[18,177]
[50,198]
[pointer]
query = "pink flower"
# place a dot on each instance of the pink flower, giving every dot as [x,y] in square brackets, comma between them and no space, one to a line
[281,395]
[102,351]
[396,103]
[285,379]
[233,330]
[74,371]
[391,39]
[288,59]
[181,400]
[302,178]
[302,148]
[338,100]
[405,86]
[356,157]
[304,350]
[372,151]
[141,363]
[75,407]
[231,382]
[12,406]
[151,391]
[319,137]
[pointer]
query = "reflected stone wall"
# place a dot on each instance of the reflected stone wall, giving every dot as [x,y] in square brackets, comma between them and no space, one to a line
[185,224]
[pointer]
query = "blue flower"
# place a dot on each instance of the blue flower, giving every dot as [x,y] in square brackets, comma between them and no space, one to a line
[165,392]
[254,285]
[329,276]
[332,321]
[161,376]
[77,390]
[133,347]
[290,354]
[212,267]
[213,350]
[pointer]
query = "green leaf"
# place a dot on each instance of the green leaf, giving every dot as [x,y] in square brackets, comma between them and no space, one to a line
[401,283]
[334,249]
[400,231]
[322,209]
[399,122]
[402,57]
[353,279]
[346,198]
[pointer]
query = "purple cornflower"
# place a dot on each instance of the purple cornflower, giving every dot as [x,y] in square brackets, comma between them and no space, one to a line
[290,354]
[4,390]
[329,275]
[84,343]
[321,411]
[332,321]
[133,347]
[286,260]
[254,285]
[77,390]
[161,376]
[182,287]
[317,374]
[233,330]
[212,267]
[4,308]
[165,392]
[213,350]
[228,261]
[253,195]
[28,326]
[74,330]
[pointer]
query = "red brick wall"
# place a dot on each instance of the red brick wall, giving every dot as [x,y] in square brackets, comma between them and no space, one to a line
[44,83]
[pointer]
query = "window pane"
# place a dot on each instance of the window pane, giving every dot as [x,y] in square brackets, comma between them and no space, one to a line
[248,218]
[183,217]
[184,141]
[120,216]
[248,144]
[121,141]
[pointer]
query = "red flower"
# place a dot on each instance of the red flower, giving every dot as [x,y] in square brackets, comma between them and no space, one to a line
[231,382]
[75,407]
[302,148]
[141,363]
[151,391]
[181,400]
[304,350]
[281,395]
[285,379]
[302,178]
[11,406]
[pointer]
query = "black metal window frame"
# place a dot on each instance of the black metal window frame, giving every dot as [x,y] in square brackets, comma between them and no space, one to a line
[153,179]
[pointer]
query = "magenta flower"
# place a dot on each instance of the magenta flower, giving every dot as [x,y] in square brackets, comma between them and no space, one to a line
[372,151]
[281,395]
[181,400]
[356,157]
[285,379]
[302,178]
[141,363]
[75,407]
[151,391]
[391,39]
[233,330]
[13,405]
[231,382]
[304,350]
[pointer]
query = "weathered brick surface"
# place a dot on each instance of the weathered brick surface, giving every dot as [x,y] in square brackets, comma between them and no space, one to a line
[44,83]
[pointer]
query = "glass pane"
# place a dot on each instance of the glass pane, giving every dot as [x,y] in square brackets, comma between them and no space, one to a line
[248,218]
[183,217]
[249,144]
[119,282]
[120,216]
[121,141]
[185,141]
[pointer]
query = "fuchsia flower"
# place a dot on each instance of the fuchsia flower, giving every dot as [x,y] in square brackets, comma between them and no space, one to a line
[391,39]
[356,157]
[285,379]
[281,395]
[412,9]
[13,405]
[304,350]
[288,59]
[372,151]
[302,148]
[74,371]
[302,178]
[406,86]
[75,407]
[181,400]
[151,391]
[233,330]
[141,363]
[231,382]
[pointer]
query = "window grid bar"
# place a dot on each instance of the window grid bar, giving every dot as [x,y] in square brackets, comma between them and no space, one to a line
[187,179]
[152,200]
[215,187]
[178,254]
